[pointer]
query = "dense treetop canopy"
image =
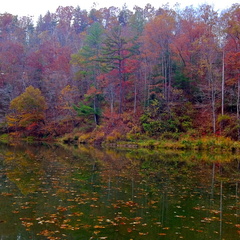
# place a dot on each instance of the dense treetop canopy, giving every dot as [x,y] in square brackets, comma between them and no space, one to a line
[149,70]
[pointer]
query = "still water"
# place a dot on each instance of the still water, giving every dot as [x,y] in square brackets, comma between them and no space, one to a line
[53,192]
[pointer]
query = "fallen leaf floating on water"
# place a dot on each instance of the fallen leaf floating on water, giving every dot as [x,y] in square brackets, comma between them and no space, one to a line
[53,238]
[152,202]
[215,211]
[46,233]
[135,223]
[27,224]
[25,207]
[62,209]
[26,219]
[6,194]
[131,204]
[137,218]
[166,228]
[208,220]
[99,226]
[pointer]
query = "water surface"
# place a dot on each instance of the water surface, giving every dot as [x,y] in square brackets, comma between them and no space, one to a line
[51,192]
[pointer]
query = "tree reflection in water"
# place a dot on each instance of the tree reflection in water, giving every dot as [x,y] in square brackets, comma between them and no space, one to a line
[89,193]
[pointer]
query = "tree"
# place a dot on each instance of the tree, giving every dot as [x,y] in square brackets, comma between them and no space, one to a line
[87,62]
[156,41]
[232,18]
[87,108]
[119,47]
[27,110]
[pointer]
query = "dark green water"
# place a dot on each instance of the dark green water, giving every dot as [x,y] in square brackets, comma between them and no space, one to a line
[48,192]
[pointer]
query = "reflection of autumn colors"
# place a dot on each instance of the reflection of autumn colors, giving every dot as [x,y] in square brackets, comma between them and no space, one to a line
[85,192]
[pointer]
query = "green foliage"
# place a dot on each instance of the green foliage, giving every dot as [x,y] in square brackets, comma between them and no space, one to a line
[152,127]
[170,136]
[4,138]
[88,56]
[158,120]
[181,81]
[86,110]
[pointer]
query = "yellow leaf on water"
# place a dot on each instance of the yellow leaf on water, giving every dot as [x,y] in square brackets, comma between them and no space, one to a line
[98,226]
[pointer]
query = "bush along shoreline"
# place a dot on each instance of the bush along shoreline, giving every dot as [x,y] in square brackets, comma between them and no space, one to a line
[186,142]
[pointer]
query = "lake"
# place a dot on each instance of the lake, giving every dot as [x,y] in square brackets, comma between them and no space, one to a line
[54,192]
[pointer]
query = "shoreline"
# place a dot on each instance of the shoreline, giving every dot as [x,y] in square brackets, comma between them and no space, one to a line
[208,143]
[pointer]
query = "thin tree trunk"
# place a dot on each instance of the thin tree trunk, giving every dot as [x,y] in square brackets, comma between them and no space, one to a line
[165,79]
[212,87]
[169,78]
[223,82]
[213,108]
[238,99]
[145,85]
[95,110]
[112,100]
[135,97]
[121,84]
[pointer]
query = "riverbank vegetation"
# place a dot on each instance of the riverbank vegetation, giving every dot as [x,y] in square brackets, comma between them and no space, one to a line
[165,77]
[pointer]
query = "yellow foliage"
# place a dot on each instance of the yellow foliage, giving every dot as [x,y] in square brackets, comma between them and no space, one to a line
[114,136]
[27,108]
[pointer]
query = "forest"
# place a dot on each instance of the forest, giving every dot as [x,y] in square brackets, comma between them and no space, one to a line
[114,74]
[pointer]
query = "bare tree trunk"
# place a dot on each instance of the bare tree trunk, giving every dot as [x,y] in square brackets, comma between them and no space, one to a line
[212,86]
[238,99]
[112,100]
[121,88]
[145,84]
[223,82]
[169,78]
[95,111]
[213,108]
[135,97]
[165,79]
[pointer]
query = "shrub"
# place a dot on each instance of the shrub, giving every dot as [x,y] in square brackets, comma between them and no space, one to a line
[28,110]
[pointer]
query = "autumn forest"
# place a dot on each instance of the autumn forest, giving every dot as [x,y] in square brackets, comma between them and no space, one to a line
[114,74]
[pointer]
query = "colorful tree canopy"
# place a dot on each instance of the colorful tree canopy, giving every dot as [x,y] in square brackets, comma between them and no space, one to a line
[28,109]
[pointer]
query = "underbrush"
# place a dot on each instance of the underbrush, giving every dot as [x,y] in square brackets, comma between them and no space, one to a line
[4,138]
